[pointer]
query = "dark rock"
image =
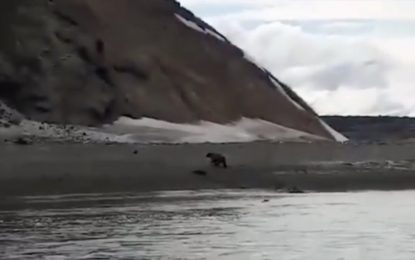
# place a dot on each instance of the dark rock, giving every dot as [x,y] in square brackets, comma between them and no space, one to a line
[83,54]
[5,124]
[132,70]
[65,18]
[199,172]
[99,47]
[295,189]
[23,141]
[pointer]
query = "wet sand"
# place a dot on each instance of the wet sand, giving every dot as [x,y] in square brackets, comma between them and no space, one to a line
[42,169]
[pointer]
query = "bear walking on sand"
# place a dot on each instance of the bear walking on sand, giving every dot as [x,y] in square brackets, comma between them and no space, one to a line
[217,160]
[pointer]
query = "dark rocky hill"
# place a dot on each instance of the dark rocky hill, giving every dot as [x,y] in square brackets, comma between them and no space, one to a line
[366,128]
[89,62]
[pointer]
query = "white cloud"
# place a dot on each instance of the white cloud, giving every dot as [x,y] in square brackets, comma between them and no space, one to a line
[340,66]
[272,10]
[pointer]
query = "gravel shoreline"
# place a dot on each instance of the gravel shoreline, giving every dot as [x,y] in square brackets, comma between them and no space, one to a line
[45,169]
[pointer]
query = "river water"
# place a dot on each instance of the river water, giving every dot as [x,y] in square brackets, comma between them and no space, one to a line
[210,225]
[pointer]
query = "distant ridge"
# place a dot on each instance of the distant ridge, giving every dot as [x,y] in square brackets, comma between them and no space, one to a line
[374,128]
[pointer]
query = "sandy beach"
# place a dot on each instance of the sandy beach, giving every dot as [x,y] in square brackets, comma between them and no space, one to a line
[41,169]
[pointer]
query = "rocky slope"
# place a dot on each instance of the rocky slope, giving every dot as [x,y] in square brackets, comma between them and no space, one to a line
[90,62]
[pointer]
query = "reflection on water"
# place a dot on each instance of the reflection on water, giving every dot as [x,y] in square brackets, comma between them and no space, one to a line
[210,225]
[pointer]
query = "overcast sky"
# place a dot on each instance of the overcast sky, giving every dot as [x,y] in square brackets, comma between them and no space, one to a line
[349,57]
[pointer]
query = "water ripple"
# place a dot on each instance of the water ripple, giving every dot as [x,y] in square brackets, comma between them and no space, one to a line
[209,225]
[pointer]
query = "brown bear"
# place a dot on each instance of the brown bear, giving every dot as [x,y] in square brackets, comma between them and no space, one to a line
[217,160]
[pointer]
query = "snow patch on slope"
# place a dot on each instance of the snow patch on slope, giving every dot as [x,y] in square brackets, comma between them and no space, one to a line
[253,61]
[336,135]
[212,33]
[196,27]
[147,130]
[282,91]
[274,82]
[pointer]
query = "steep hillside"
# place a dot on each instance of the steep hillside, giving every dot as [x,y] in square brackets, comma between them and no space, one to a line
[90,62]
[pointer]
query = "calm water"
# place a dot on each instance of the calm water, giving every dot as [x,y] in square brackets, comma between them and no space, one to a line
[210,225]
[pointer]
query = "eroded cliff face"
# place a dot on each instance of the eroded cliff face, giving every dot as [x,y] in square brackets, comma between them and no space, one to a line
[89,62]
